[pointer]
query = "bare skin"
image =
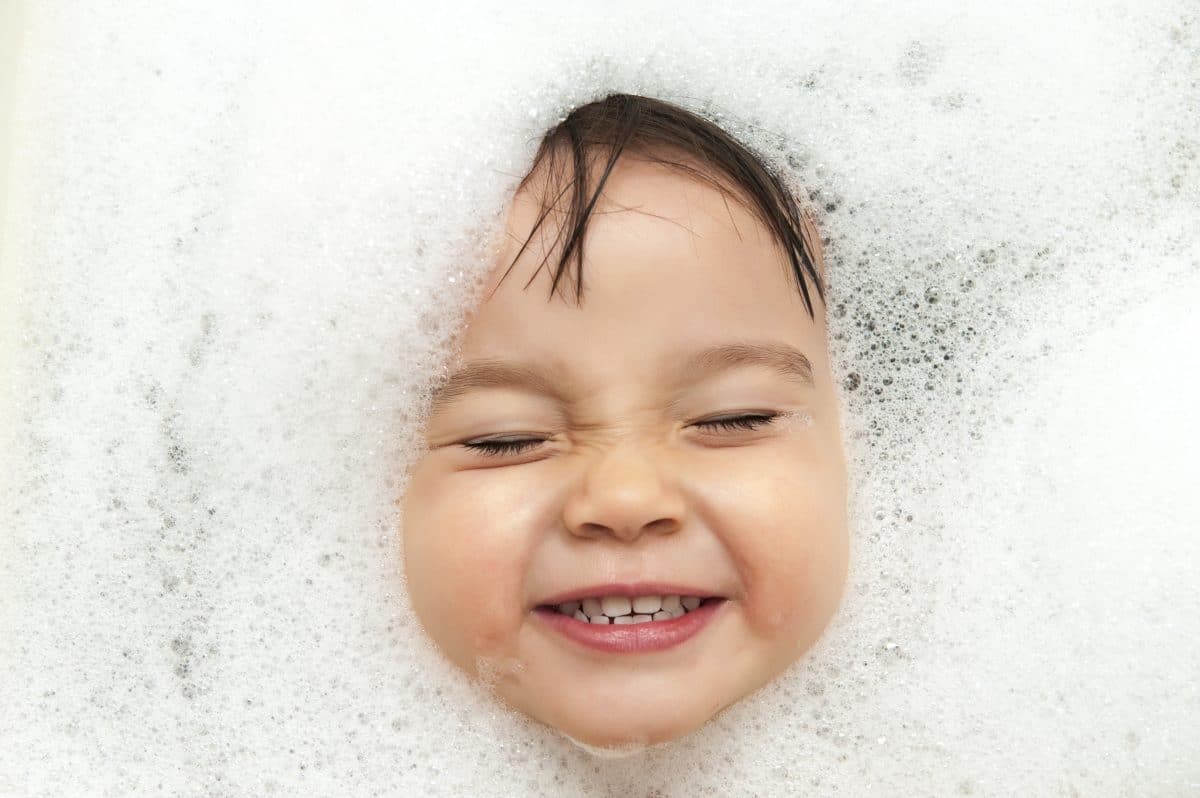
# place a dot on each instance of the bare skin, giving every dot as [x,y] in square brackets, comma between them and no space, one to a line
[680,426]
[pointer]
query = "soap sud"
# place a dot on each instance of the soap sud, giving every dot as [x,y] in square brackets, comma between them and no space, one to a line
[240,242]
[623,751]
[489,670]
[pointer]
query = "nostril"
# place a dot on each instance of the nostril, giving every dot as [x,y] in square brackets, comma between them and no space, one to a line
[660,526]
[663,526]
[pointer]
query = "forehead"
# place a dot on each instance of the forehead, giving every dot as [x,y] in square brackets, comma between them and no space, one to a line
[671,263]
[669,188]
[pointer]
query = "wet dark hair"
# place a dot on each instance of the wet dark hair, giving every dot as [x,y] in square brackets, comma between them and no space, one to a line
[658,130]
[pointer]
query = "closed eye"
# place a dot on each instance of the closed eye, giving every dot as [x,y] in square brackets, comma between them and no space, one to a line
[747,422]
[496,447]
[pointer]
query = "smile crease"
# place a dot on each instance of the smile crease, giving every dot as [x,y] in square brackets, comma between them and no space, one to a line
[627,610]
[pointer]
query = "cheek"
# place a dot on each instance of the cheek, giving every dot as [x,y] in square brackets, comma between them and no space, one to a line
[466,552]
[792,548]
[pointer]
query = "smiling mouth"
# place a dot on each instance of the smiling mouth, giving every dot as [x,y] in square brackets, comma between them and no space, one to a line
[631,621]
[620,610]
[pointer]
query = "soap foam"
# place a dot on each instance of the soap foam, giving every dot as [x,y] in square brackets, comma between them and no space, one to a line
[240,240]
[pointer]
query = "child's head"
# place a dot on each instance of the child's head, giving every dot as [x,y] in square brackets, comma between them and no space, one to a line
[667,433]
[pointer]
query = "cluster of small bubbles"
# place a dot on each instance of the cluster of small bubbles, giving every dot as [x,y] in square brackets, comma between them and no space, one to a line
[233,272]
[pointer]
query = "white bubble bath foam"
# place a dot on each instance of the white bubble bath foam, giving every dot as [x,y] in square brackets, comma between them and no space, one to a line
[237,239]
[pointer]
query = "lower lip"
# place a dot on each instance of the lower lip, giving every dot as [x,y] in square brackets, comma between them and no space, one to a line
[632,638]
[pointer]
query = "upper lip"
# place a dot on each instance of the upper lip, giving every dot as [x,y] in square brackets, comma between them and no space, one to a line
[628,589]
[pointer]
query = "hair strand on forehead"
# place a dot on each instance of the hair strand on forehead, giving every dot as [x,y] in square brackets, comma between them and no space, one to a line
[619,123]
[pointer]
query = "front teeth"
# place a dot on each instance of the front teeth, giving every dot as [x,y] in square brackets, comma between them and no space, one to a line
[615,606]
[622,609]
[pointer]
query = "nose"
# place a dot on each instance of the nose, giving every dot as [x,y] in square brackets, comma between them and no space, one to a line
[623,493]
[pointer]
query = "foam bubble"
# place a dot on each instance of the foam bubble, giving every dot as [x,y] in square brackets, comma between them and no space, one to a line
[612,752]
[238,243]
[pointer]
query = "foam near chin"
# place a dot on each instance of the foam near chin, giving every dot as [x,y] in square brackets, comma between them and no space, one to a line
[237,244]
[608,752]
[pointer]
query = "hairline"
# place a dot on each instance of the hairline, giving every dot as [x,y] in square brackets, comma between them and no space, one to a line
[734,169]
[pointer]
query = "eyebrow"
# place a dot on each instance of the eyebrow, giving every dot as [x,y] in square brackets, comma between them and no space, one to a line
[786,361]
[481,374]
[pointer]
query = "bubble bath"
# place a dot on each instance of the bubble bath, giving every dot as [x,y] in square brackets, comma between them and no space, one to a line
[237,243]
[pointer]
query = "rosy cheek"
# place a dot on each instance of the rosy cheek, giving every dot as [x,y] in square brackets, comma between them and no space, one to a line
[480,560]
[777,602]
[787,565]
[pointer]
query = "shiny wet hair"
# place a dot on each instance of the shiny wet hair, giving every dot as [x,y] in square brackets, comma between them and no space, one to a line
[673,136]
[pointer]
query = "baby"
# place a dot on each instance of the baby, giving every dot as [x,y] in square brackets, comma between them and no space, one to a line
[632,510]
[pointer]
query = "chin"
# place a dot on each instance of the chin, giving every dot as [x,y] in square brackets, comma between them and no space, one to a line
[608,741]
[615,734]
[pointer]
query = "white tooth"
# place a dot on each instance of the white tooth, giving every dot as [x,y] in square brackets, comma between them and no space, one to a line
[663,615]
[679,613]
[570,608]
[615,605]
[599,619]
[579,616]
[690,602]
[671,604]
[647,604]
[641,618]
[591,607]
[623,619]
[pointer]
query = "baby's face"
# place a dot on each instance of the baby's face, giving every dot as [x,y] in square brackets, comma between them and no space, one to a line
[596,471]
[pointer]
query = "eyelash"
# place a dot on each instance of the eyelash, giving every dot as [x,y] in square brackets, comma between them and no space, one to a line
[745,423]
[749,422]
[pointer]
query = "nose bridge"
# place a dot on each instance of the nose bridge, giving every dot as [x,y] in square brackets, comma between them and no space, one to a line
[626,489]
